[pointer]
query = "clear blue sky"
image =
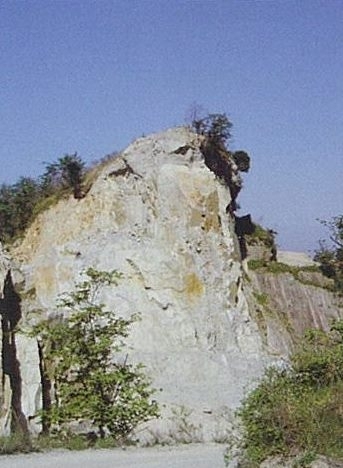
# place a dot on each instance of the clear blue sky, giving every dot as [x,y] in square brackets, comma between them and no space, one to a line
[90,76]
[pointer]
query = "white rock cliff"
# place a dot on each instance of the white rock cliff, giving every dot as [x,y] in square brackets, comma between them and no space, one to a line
[157,214]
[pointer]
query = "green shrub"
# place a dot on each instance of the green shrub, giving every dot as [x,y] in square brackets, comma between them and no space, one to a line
[299,409]
[261,235]
[330,257]
[82,360]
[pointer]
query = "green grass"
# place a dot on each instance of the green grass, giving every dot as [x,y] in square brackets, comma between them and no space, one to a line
[15,443]
[278,268]
[47,202]
[261,298]
[18,443]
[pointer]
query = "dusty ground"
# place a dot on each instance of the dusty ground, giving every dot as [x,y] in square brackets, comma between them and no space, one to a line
[186,456]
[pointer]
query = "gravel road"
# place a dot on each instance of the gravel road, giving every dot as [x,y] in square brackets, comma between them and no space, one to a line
[187,456]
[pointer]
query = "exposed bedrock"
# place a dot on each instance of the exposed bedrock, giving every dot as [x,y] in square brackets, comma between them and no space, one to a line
[157,213]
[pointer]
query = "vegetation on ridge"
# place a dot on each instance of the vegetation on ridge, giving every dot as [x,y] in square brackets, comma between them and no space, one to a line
[217,130]
[22,201]
[263,236]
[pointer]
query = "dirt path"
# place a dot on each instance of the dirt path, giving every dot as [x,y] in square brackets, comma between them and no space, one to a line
[187,456]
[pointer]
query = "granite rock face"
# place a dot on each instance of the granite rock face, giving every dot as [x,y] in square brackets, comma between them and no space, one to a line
[157,214]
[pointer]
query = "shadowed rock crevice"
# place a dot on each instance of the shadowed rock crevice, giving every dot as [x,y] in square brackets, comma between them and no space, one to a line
[46,388]
[10,315]
[226,166]
[243,227]
[221,163]
[126,169]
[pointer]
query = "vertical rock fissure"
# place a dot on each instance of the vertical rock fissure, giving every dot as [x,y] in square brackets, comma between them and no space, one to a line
[46,389]
[10,315]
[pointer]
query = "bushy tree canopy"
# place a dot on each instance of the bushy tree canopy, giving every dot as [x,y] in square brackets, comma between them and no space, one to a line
[17,202]
[67,171]
[20,202]
[330,257]
[82,353]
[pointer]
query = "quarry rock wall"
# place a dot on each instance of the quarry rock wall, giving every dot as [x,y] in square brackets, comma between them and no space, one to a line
[157,214]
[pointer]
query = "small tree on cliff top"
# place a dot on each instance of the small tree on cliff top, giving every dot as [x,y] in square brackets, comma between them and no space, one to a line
[216,126]
[88,383]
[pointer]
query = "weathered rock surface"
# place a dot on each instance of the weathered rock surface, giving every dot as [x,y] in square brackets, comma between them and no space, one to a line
[285,307]
[4,266]
[300,259]
[158,214]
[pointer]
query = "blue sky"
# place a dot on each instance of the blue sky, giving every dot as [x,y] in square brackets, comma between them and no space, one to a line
[91,76]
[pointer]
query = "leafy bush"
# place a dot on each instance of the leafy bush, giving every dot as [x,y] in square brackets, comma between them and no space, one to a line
[78,353]
[330,257]
[299,409]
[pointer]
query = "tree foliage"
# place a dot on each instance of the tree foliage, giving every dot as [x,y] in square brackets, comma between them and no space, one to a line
[92,380]
[20,202]
[17,202]
[66,172]
[330,256]
[225,164]
[298,409]
[217,127]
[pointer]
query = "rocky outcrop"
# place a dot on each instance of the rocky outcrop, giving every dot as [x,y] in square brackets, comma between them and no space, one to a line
[297,259]
[158,214]
[4,267]
[13,365]
[287,303]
